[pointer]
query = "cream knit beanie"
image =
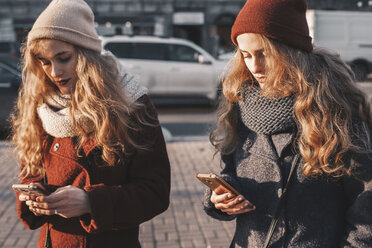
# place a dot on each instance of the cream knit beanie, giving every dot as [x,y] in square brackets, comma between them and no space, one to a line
[67,20]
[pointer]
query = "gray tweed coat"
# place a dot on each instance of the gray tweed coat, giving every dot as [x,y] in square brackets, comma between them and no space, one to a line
[318,212]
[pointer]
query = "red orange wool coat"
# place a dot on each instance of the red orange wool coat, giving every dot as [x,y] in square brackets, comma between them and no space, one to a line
[121,196]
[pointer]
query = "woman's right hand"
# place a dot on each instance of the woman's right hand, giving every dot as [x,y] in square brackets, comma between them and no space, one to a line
[70,202]
[30,201]
[231,204]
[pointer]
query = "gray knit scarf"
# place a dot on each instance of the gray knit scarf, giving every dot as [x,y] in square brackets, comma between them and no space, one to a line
[265,115]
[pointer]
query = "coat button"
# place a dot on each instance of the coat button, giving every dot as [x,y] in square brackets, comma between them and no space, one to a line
[247,144]
[56,147]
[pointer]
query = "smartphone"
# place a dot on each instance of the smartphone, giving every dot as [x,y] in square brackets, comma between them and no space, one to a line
[29,189]
[217,184]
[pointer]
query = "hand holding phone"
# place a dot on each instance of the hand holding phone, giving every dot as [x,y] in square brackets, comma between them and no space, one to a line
[233,204]
[33,189]
[217,184]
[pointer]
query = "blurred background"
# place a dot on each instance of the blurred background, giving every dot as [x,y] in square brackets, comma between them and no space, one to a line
[180,48]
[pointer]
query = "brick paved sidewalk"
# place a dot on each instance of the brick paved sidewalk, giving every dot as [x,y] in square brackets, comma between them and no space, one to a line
[183,225]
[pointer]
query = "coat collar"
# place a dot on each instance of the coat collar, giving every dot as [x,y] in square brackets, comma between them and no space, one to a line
[89,144]
[268,147]
[281,141]
[66,146]
[260,145]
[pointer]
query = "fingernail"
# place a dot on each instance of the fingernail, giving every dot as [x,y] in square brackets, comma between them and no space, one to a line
[229,195]
[240,199]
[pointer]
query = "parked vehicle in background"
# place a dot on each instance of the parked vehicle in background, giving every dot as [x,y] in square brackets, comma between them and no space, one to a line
[226,56]
[8,52]
[10,80]
[348,33]
[168,66]
[8,49]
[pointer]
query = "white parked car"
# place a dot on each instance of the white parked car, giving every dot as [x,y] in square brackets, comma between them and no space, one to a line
[168,66]
[227,56]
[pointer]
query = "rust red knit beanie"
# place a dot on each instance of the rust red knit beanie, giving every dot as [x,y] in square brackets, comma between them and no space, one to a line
[283,20]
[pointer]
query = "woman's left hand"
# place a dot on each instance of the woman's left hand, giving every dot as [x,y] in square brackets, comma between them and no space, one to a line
[68,202]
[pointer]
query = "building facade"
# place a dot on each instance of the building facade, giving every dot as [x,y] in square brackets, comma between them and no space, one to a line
[205,22]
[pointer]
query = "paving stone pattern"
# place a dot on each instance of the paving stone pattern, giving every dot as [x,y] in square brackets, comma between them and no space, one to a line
[183,225]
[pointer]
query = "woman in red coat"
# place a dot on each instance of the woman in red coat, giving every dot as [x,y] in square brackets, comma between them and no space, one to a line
[88,133]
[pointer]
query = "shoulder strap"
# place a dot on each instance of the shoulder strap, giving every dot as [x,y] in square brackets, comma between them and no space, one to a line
[274,220]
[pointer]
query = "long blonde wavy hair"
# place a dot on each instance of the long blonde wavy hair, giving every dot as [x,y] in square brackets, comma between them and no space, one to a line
[326,99]
[108,116]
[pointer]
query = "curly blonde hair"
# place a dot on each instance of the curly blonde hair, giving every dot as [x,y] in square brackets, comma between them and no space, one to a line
[327,98]
[109,117]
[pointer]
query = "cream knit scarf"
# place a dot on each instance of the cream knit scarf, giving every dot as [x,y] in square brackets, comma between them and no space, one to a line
[54,112]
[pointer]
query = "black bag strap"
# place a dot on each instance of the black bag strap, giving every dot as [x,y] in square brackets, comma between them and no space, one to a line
[274,220]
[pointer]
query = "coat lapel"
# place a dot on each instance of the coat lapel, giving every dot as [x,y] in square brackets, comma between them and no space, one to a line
[281,141]
[267,147]
[260,145]
[89,144]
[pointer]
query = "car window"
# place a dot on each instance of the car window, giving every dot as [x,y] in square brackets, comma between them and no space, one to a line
[120,49]
[5,72]
[5,78]
[149,51]
[5,47]
[183,53]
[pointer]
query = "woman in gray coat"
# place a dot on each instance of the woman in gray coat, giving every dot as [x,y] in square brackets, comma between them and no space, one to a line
[283,100]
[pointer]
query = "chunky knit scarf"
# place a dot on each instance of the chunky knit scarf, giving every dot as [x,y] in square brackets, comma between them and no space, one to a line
[264,115]
[54,112]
